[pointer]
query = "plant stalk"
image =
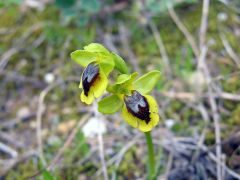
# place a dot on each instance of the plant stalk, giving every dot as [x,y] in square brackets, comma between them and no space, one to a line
[151,157]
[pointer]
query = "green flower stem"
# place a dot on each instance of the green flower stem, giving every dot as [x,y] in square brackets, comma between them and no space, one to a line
[151,159]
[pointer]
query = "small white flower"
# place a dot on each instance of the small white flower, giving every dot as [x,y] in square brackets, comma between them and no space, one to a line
[93,127]
[170,123]
[49,78]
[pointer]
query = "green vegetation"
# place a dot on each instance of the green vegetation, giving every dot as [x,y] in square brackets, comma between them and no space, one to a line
[44,41]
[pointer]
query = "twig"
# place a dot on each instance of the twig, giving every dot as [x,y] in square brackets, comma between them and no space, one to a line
[125,43]
[216,119]
[204,23]
[221,77]
[102,158]
[100,144]
[199,144]
[119,156]
[114,8]
[229,50]
[11,140]
[108,41]
[10,123]
[35,27]
[68,141]
[8,150]
[184,30]
[169,164]
[160,44]
[38,41]
[202,109]
[39,118]
[124,150]
[6,57]
[177,145]
[193,97]
[204,69]
[65,47]
[13,162]
[216,159]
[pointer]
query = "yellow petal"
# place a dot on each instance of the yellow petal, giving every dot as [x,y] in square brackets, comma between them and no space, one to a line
[99,85]
[144,127]
[139,123]
[97,88]
[129,118]
[80,85]
[87,99]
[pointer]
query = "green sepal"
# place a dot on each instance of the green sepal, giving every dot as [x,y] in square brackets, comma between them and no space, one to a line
[106,67]
[47,175]
[110,104]
[120,64]
[96,48]
[119,89]
[123,84]
[146,83]
[83,57]
[106,63]
[125,78]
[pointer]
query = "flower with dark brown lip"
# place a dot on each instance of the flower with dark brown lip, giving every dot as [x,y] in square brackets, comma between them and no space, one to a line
[98,63]
[93,82]
[140,111]
[138,106]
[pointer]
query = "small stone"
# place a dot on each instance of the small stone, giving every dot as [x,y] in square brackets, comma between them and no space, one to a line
[54,141]
[65,127]
[23,112]
[197,81]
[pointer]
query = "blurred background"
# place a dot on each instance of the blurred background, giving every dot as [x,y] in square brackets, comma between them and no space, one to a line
[47,133]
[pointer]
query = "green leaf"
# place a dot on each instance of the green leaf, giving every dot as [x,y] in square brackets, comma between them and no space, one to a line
[91,6]
[69,13]
[80,147]
[47,175]
[96,48]
[82,20]
[110,104]
[65,4]
[156,6]
[6,3]
[83,57]
[120,64]
[146,83]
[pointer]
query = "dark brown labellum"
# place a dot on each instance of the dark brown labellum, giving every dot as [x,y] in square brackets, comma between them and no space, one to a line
[89,76]
[138,106]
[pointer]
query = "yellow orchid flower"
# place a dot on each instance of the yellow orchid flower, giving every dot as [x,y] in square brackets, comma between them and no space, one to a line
[93,82]
[140,111]
[98,63]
